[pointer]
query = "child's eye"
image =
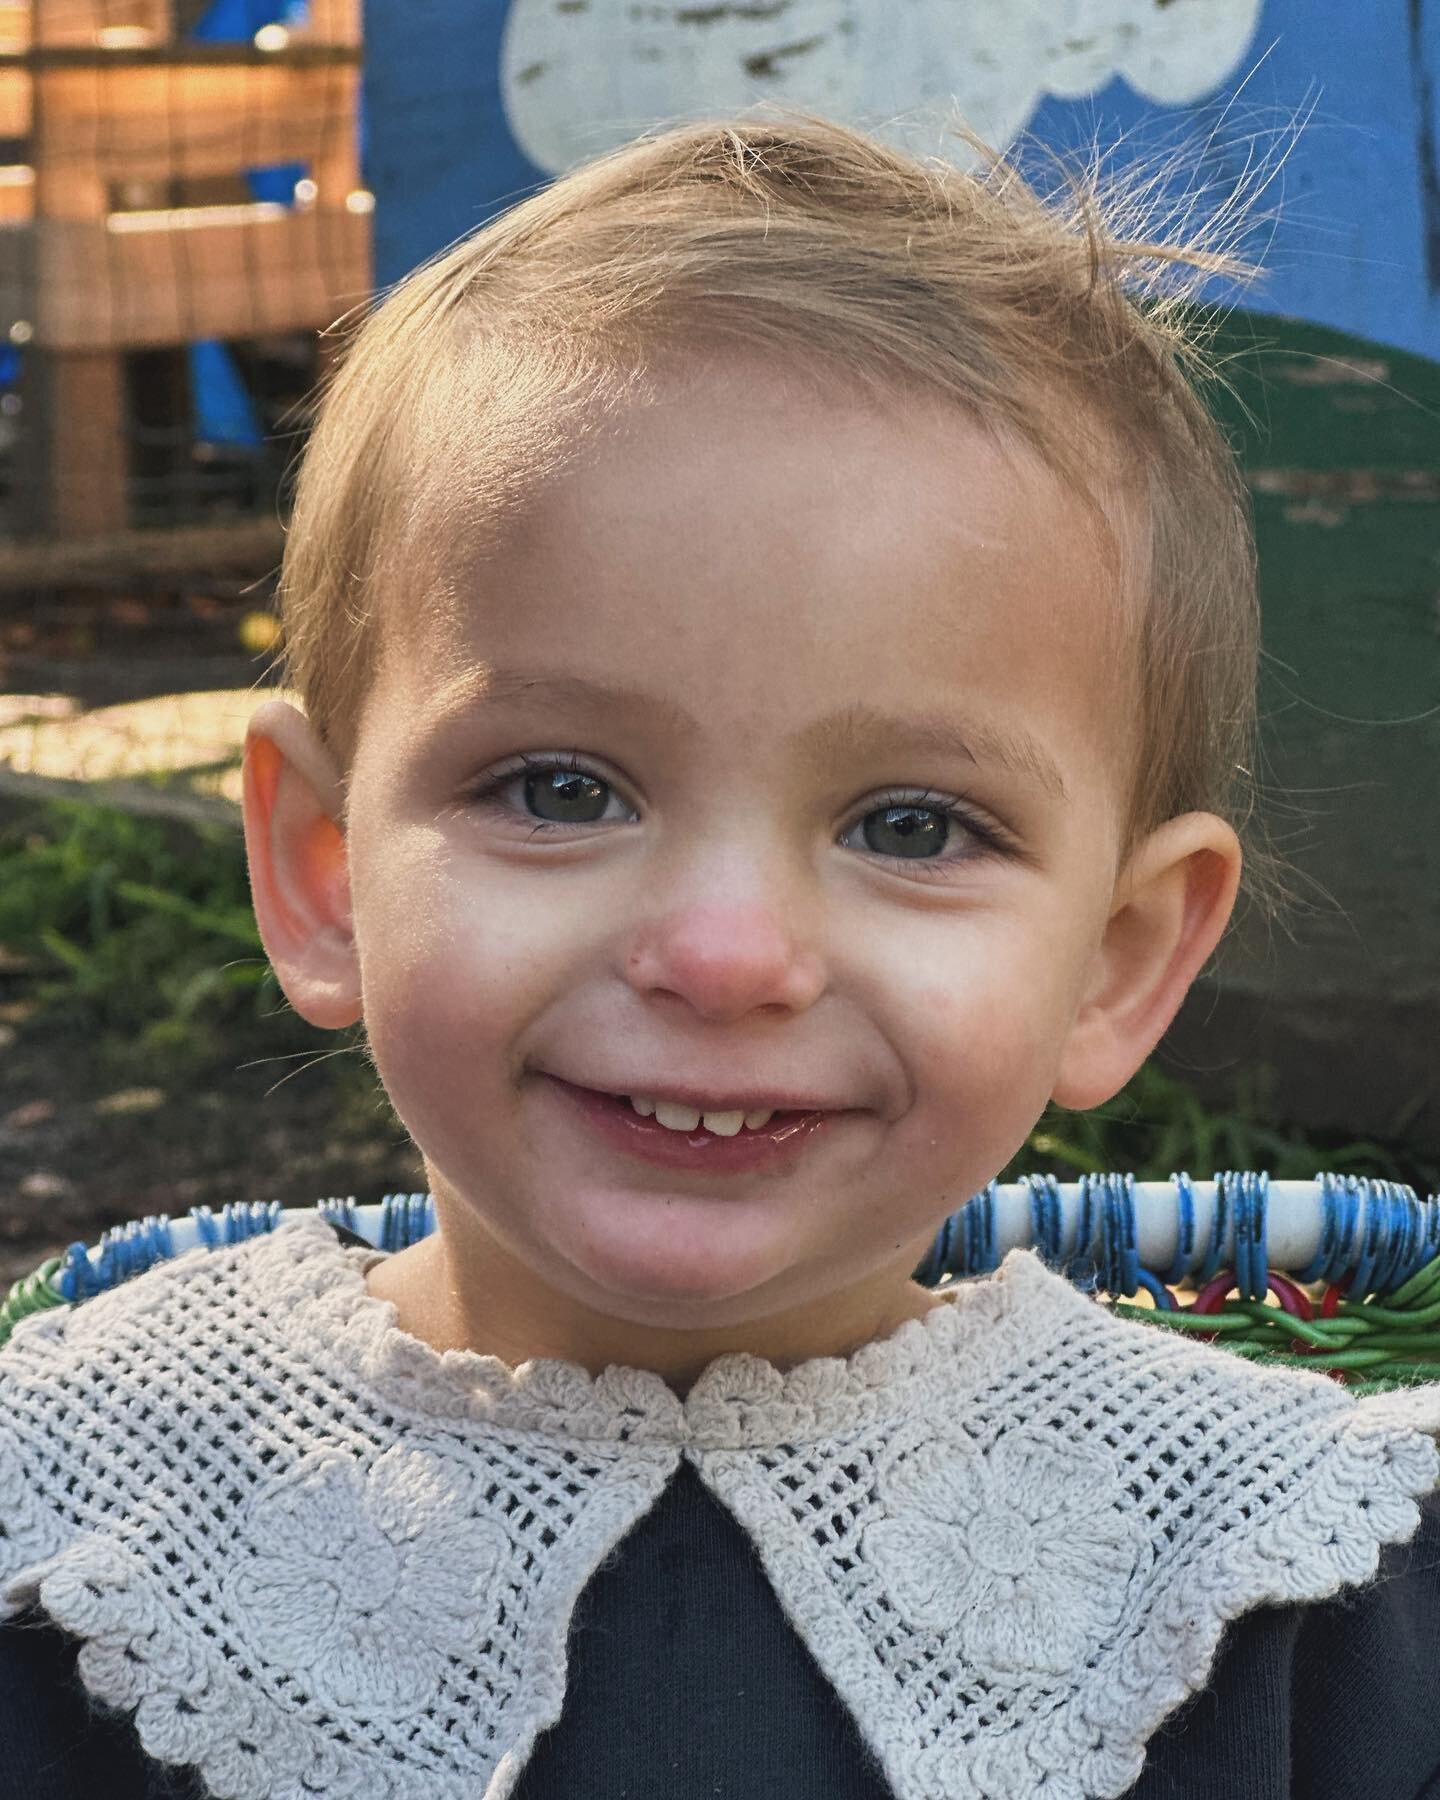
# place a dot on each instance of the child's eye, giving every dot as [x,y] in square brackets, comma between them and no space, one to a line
[909,830]
[577,795]
[913,829]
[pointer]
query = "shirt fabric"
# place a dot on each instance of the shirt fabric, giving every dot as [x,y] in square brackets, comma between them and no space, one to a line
[687,1683]
[683,1671]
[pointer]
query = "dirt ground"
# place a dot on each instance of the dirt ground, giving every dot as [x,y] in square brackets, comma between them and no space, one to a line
[80,1153]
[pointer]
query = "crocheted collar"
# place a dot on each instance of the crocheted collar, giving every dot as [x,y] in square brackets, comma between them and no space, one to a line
[316,1557]
[739,1401]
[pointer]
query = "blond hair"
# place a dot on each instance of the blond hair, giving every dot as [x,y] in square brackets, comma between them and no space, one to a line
[1059,319]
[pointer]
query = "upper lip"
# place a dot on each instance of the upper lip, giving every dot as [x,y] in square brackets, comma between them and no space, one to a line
[713,1099]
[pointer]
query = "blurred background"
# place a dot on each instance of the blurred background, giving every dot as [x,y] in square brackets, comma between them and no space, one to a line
[191,193]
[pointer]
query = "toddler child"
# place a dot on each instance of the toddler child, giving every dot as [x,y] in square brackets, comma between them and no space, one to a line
[777,636]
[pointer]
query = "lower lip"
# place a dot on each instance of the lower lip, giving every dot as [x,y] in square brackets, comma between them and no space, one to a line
[617,1122]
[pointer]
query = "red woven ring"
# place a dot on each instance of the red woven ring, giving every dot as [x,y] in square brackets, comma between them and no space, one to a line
[1292,1299]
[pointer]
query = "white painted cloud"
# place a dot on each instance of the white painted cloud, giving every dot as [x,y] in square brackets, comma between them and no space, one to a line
[581,76]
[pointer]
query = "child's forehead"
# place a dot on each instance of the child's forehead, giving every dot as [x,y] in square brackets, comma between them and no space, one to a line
[738,497]
[748,441]
[480,485]
[823,556]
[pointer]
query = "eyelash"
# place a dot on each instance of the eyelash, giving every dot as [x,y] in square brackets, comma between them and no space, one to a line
[993,839]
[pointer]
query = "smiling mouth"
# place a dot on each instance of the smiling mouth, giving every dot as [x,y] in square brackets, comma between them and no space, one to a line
[620,1125]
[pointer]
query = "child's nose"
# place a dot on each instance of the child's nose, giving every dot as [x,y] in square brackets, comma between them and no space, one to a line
[725,959]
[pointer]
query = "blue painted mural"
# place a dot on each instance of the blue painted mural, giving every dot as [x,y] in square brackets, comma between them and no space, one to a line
[473,103]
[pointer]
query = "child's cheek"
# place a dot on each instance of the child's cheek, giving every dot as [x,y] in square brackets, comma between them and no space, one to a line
[451,982]
[981,1047]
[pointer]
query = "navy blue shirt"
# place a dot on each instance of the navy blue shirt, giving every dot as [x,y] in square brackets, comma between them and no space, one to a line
[686,1680]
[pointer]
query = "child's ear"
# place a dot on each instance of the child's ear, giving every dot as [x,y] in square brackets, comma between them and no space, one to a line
[299,876]
[1171,907]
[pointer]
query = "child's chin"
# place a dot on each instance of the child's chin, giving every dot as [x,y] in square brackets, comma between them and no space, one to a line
[679,1260]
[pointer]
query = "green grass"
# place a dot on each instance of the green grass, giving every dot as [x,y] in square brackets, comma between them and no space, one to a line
[141,942]
[1156,1125]
[138,937]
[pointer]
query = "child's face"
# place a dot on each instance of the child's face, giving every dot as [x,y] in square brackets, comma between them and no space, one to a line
[749,572]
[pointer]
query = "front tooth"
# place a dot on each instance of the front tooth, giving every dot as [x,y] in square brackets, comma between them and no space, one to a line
[685,1118]
[678,1118]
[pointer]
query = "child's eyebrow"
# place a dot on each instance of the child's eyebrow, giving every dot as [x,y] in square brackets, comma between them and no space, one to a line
[854,728]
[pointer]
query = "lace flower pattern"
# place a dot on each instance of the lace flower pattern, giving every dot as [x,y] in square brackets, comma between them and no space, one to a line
[430,1570]
[1021,1552]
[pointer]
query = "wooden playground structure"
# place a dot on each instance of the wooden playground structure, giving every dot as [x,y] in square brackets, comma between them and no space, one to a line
[127,229]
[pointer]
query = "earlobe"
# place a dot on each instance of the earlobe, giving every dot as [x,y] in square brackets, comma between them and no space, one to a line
[299,873]
[1172,907]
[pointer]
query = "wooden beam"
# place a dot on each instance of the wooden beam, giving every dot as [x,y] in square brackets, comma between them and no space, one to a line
[140,797]
[158,555]
[75,461]
[95,21]
[17,193]
[228,272]
[162,121]
[15,110]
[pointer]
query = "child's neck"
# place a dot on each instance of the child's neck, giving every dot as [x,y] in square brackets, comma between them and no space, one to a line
[489,1302]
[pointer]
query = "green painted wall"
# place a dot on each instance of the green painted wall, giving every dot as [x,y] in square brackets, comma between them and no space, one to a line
[1343,460]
